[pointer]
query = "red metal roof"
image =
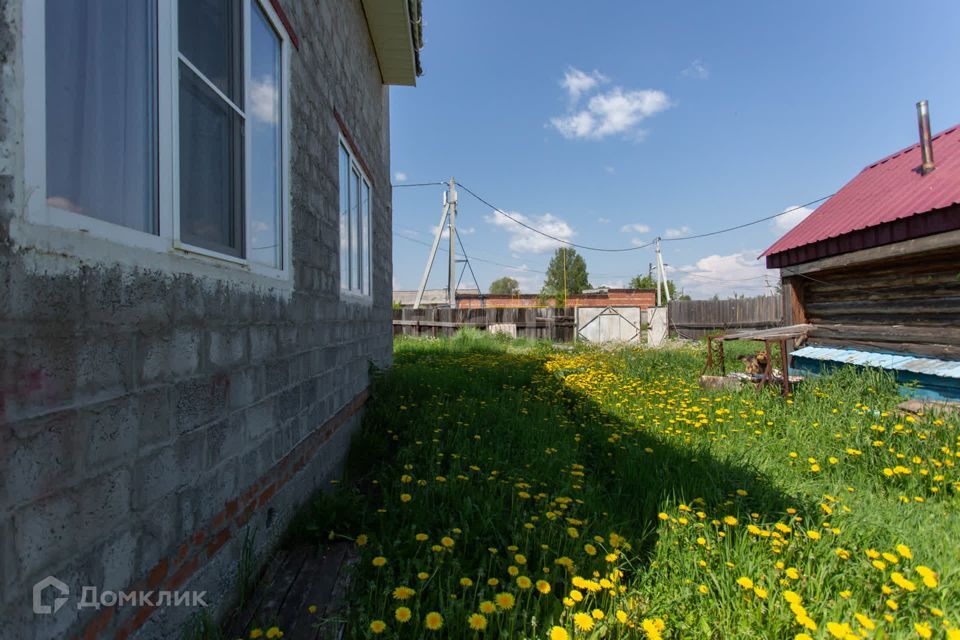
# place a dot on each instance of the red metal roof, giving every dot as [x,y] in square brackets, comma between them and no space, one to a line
[888,190]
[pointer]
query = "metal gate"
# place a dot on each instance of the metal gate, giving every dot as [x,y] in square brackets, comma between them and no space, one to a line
[609,324]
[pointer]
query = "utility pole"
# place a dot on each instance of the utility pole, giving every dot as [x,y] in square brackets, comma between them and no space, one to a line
[452,279]
[449,208]
[661,276]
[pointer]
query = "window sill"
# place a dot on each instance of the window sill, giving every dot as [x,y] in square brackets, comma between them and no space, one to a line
[351,297]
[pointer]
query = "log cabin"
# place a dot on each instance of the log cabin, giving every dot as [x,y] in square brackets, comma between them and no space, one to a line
[876,269]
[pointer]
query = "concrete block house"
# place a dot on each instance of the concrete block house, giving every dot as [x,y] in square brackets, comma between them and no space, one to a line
[195,278]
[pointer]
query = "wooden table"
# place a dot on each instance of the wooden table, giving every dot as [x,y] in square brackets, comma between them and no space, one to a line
[777,335]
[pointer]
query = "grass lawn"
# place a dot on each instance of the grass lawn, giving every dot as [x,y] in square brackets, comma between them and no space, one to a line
[502,489]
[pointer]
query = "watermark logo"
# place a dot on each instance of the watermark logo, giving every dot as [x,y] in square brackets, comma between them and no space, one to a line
[92,598]
[40,587]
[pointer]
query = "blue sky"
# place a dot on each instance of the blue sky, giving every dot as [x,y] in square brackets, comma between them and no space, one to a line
[610,123]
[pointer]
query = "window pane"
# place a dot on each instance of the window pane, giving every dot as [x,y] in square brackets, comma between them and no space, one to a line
[263,115]
[211,37]
[354,231]
[365,235]
[211,168]
[101,110]
[344,218]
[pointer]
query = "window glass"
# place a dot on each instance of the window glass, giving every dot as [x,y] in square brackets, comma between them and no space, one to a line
[365,236]
[264,113]
[101,123]
[211,38]
[354,230]
[211,168]
[211,129]
[344,218]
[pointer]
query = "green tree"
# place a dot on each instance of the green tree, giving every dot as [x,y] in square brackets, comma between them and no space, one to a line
[560,281]
[505,286]
[649,282]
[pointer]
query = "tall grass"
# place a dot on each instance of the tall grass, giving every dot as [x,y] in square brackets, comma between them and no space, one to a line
[603,494]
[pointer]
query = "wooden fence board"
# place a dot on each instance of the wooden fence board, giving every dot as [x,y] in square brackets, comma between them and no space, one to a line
[558,325]
[696,318]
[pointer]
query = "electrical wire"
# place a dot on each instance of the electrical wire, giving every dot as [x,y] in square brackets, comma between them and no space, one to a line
[418,184]
[547,235]
[747,224]
[499,264]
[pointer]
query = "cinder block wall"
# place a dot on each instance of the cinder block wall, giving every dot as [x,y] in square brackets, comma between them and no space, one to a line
[148,418]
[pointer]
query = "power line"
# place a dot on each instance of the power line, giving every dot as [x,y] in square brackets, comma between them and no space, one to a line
[747,224]
[547,235]
[418,184]
[624,249]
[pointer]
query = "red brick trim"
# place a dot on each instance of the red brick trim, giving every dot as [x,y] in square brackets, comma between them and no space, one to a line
[199,547]
[353,146]
[286,23]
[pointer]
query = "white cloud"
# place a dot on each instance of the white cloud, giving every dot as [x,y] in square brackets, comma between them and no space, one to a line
[614,112]
[602,220]
[578,82]
[677,233]
[634,228]
[263,98]
[611,170]
[696,70]
[725,275]
[789,220]
[523,240]
[399,176]
[639,242]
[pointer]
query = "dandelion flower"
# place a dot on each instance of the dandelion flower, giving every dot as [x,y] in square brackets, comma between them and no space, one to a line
[504,600]
[361,540]
[559,633]
[403,593]
[379,561]
[448,542]
[543,587]
[583,621]
[524,582]
[487,607]
[433,621]
[402,614]
[745,582]
[477,622]
[378,626]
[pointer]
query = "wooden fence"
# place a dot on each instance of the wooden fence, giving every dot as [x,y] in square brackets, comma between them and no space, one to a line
[558,325]
[696,318]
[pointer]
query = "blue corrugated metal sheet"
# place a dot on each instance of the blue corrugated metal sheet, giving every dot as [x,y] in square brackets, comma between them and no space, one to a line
[913,364]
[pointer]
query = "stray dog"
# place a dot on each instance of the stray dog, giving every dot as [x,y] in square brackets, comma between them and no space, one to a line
[755,364]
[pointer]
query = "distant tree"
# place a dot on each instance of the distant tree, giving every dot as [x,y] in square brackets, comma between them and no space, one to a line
[505,286]
[560,284]
[649,282]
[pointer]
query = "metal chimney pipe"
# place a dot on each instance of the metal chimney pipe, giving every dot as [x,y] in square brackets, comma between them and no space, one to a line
[926,145]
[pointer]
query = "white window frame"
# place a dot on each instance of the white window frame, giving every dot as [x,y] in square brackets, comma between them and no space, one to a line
[40,217]
[347,292]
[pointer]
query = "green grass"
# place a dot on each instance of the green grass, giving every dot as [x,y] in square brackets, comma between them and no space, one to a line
[616,464]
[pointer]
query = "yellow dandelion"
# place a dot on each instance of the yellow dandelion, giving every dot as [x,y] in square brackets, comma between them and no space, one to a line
[379,561]
[378,626]
[477,622]
[487,607]
[583,621]
[559,633]
[433,621]
[402,614]
[504,600]
[543,587]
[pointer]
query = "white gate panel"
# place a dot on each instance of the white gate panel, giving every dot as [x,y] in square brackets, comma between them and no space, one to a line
[609,324]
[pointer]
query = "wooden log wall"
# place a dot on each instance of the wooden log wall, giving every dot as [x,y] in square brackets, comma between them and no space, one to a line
[903,304]
[546,323]
[696,318]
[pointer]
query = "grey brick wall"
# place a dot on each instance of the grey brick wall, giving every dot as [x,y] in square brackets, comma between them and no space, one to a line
[135,403]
